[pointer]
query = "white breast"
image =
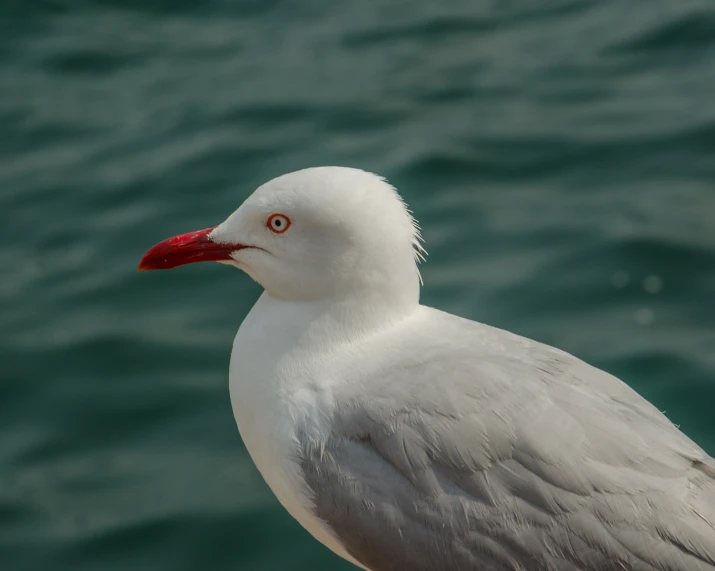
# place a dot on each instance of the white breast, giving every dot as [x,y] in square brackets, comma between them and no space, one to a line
[275,393]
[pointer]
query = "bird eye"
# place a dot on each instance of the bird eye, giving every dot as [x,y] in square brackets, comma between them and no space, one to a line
[277,223]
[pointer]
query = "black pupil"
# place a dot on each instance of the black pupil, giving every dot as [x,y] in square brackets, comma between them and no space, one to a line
[277,222]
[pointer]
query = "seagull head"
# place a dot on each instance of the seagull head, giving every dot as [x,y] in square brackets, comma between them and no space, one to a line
[319,233]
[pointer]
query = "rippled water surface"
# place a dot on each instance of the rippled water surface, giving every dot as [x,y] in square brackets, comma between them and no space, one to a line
[559,155]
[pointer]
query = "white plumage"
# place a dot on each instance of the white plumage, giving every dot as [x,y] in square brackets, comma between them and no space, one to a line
[405,438]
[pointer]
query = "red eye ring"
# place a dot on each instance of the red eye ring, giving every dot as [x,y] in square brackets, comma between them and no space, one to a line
[278,223]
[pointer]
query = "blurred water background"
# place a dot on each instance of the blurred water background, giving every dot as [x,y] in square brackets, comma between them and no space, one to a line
[560,156]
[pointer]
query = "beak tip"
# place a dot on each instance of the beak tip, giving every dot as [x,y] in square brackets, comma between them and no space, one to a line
[144,265]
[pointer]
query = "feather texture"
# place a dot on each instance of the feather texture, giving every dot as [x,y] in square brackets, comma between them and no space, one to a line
[473,459]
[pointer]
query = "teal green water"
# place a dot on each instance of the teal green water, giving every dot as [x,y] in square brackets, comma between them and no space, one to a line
[560,156]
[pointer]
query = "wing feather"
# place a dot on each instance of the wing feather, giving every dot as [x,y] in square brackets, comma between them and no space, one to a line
[472,460]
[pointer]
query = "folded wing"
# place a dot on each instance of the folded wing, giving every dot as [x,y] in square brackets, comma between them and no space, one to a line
[468,462]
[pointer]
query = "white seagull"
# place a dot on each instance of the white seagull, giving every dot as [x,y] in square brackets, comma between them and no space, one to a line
[408,439]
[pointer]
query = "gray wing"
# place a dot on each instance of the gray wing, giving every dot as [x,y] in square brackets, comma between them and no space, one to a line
[483,463]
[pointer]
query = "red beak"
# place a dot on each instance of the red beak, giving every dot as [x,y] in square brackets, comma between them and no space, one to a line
[186,249]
